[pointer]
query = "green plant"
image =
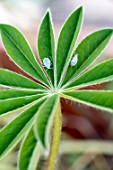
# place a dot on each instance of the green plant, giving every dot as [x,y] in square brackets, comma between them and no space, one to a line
[61,74]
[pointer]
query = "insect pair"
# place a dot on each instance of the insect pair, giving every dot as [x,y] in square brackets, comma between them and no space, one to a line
[47,62]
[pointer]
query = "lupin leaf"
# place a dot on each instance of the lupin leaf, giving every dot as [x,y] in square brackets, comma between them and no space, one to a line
[66,42]
[9,94]
[87,51]
[99,74]
[18,49]
[9,105]
[60,74]
[99,99]
[30,148]
[44,120]
[11,134]
[46,45]
[14,80]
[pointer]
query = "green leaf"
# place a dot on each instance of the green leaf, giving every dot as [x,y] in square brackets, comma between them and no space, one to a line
[88,50]
[99,74]
[66,42]
[35,157]
[30,148]
[9,105]
[8,94]
[14,80]
[18,49]
[44,120]
[11,134]
[46,44]
[97,99]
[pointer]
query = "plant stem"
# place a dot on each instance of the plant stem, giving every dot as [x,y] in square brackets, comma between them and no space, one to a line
[55,140]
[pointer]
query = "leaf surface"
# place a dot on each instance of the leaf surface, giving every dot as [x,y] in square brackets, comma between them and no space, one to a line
[12,80]
[87,51]
[18,49]
[9,105]
[30,146]
[97,99]
[46,44]
[66,42]
[14,131]
[44,120]
[8,94]
[99,74]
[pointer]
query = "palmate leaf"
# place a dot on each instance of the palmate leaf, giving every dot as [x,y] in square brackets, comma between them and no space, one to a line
[66,42]
[60,74]
[44,120]
[29,152]
[18,49]
[99,99]
[87,51]
[46,45]
[99,74]
[9,105]
[13,80]
[11,134]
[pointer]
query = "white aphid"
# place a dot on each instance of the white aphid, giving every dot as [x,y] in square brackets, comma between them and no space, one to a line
[47,62]
[74,60]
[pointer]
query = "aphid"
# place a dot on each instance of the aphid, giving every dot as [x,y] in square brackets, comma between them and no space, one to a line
[47,63]
[74,60]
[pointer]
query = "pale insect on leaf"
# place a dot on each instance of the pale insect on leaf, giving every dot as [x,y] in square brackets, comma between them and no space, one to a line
[47,63]
[74,60]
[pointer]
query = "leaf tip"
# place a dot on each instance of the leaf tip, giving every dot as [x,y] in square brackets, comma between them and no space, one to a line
[48,12]
[80,9]
[2,26]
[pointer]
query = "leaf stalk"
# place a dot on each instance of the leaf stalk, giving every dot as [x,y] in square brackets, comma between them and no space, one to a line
[55,140]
